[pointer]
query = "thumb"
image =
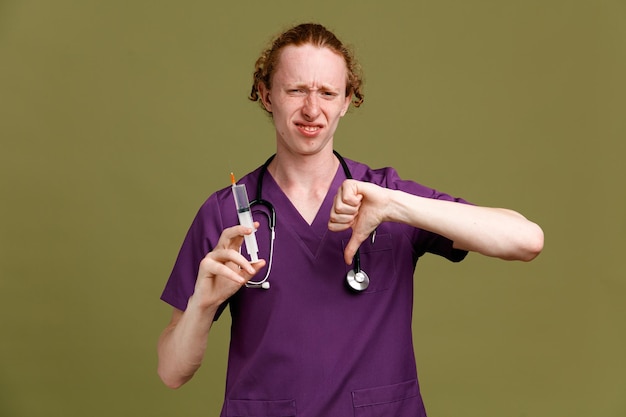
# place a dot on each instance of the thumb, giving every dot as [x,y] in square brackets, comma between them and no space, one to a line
[353,245]
[256,267]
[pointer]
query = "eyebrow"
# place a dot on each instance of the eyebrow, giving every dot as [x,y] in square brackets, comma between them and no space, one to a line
[306,86]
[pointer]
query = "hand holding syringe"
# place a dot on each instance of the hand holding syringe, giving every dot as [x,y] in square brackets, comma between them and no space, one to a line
[245,218]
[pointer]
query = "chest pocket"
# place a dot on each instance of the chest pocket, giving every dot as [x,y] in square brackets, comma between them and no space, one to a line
[377,261]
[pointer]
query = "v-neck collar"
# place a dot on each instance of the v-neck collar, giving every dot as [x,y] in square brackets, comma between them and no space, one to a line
[289,219]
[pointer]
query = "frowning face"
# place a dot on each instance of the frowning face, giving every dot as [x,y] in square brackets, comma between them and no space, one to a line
[307,98]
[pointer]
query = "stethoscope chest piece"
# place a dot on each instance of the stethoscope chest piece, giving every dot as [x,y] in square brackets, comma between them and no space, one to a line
[357,281]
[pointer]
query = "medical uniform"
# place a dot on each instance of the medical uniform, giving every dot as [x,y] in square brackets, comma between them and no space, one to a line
[309,346]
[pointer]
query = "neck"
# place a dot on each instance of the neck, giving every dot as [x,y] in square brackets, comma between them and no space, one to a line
[304,171]
[305,180]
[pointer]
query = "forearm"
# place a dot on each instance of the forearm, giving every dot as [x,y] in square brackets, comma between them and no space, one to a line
[490,231]
[182,344]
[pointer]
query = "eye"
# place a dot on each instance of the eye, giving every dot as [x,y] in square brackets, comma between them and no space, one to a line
[328,94]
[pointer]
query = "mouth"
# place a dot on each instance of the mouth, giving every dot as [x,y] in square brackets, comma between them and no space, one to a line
[309,130]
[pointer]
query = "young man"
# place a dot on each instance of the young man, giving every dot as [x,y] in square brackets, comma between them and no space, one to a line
[310,345]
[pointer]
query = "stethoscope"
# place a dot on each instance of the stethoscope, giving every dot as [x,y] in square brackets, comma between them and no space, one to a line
[356,278]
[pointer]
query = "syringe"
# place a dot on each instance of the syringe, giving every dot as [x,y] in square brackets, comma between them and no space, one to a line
[245,218]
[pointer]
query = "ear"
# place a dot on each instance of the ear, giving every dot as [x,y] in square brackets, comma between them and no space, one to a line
[264,93]
[346,105]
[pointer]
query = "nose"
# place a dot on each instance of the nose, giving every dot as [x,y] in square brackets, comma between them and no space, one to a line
[311,107]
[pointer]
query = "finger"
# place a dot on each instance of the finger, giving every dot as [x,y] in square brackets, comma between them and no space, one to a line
[222,270]
[349,192]
[257,266]
[241,265]
[353,245]
[238,231]
[232,237]
[342,215]
[344,207]
[337,215]
[338,227]
[231,258]
[347,201]
[338,223]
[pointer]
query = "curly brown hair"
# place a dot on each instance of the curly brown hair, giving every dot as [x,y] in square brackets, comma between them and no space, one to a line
[306,33]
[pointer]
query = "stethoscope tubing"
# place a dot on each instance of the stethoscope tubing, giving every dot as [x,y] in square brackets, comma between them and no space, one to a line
[356,279]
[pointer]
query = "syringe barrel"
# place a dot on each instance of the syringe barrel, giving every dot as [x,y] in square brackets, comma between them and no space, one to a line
[245,219]
[241,197]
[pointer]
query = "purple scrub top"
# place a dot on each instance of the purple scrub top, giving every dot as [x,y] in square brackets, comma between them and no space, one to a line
[309,346]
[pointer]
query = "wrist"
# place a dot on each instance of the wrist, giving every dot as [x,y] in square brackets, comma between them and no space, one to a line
[391,206]
[400,207]
[202,306]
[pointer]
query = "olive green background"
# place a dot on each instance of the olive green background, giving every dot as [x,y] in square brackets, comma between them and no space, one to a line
[118,118]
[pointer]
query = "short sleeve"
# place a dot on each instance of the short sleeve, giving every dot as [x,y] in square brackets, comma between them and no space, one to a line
[200,239]
[423,240]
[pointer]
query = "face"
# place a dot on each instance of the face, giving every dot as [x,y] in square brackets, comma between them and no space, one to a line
[307,98]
